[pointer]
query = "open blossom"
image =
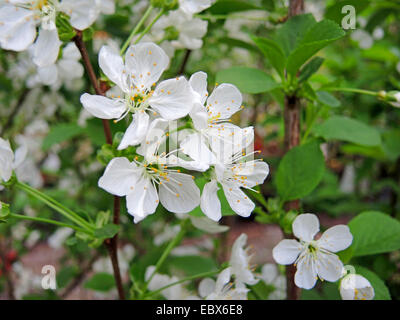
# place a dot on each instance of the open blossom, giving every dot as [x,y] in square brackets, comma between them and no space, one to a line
[18,22]
[211,120]
[222,289]
[313,258]
[83,13]
[271,275]
[233,174]
[356,287]
[240,263]
[149,182]
[144,64]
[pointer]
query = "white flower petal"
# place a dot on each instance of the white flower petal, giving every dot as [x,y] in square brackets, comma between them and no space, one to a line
[18,28]
[191,7]
[102,107]
[120,177]
[336,238]
[146,62]
[46,48]
[143,200]
[112,65]
[194,145]
[6,160]
[305,226]
[136,131]
[287,251]
[210,204]
[172,98]
[206,287]
[224,101]
[356,287]
[238,200]
[198,82]
[329,267]
[306,274]
[223,278]
[48,75]
[82,12]
[199,116]
[207,225]
[180,194]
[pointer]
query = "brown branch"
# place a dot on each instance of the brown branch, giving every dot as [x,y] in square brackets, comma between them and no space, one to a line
[185,61]
[77,281]
[292,113]
[15,111]
[100,89]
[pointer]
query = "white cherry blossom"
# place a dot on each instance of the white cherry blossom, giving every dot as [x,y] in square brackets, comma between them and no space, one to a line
[144,64]
[356,287]
[18,23]
[271,275]
[222,289]
[149,182]
[313,258]
[233,174]
[240,263]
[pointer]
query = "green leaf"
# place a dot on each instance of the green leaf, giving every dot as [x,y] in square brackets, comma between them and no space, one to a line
[248,80]
[391,144]
[232,42]
[327,99]
[381,290]
[192,265]
[316,38]
[292,32]
[273,52]
[106,232]
[60,133]
[310,68]
[100,282]
[374,232]
[300,171]
[350,130]
[229,6]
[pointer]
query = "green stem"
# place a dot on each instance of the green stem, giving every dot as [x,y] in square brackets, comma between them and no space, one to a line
[354,90]
[178,238]
[197,276]
[57,223]
[150,26]
[136,29]
[71,215]
[310,126]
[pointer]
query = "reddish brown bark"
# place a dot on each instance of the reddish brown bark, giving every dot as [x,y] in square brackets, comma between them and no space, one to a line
[100,88]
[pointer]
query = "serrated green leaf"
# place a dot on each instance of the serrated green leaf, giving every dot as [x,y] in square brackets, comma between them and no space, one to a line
[350,130]
[317,37]
[101,281]
[327,99]
[374,232]
[300,171]
[273,52]
[106,232]
[60,133]
[310,68]
[248,80]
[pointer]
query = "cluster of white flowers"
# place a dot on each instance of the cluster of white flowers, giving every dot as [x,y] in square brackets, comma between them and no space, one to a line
[185,30]
[214,144]
[19,21]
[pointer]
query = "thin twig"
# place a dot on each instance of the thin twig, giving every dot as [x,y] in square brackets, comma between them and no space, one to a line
[100,89]
[15,111]
[79,278]
[185,61]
